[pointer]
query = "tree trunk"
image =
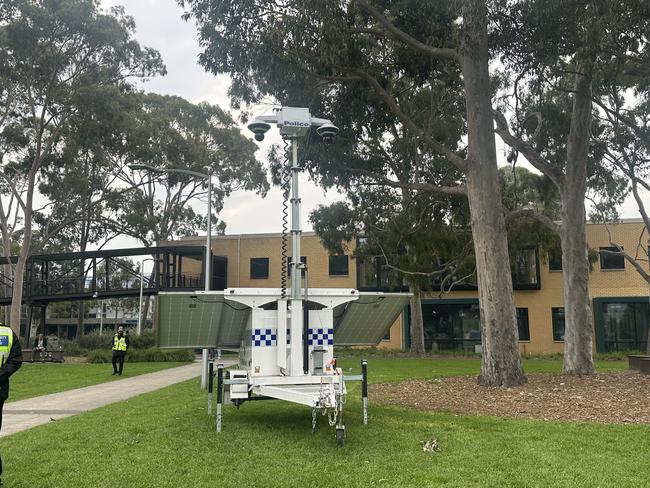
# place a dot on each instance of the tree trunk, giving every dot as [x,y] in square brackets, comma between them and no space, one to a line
[417,322]
[17,292]
[578,333]
[156,314]
[647,347]
[501,361]
[81,312]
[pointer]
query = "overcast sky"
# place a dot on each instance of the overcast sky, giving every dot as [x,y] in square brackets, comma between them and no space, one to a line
[159,25]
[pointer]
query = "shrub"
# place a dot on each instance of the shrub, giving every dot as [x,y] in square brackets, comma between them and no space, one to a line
[72,348]
[150,355]
[92,340]
[146,340]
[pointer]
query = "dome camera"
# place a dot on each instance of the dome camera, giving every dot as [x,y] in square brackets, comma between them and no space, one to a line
[328,132]
[259,128]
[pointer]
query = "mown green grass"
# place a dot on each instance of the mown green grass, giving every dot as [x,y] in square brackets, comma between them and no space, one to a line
[165,439]
[35,379]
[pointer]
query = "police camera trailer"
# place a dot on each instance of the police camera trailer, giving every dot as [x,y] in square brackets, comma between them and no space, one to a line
[285,336]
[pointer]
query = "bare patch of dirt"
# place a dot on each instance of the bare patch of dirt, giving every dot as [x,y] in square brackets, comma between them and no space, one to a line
[621,398]
[75,359]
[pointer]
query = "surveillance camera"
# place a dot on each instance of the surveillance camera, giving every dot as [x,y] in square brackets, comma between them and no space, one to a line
[259,128]
[327,131]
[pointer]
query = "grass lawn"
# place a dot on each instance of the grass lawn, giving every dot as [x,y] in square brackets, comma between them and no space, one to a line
[35,379]
[165,439]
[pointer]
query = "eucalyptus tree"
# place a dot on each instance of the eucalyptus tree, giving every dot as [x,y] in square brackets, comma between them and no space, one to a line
[417,236]
[168,132]
[561,57]
[627,135]
[270,48]
[57,58]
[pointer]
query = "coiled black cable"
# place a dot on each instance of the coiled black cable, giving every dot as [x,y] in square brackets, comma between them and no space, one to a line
[284,184]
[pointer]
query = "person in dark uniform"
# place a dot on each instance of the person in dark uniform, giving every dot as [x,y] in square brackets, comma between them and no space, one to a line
[11,358]
[120,345]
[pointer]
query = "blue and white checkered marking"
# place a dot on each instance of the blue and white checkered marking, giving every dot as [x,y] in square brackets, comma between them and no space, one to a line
[320,337]
[264,337]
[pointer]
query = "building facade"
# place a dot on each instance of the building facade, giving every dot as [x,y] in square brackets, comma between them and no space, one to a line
[619,295]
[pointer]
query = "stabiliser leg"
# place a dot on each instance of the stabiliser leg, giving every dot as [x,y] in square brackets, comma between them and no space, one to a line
[210,386]
[340,428]
[219,395]
[364,390]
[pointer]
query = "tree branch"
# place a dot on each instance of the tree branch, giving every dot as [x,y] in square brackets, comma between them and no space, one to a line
[526,149]
[420,186]
[535,215]
[436,146]
[400,35]
[644,274]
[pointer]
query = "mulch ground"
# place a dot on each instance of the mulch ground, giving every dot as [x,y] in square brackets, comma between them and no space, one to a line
[622,398]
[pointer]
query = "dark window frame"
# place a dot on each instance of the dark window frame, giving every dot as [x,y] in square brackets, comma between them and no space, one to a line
[522,314]
[610,257]
[553,256]
[556,315]
[516,285]
[347,265]
[260,276]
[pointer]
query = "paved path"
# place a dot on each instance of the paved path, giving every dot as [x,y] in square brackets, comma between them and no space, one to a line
[28,413]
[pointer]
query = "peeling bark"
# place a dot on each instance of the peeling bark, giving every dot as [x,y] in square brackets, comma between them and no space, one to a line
[578,333]
[501,361]
[417,322]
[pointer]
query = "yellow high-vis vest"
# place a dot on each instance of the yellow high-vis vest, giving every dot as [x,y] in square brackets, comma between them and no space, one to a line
[6,341]
[119,343]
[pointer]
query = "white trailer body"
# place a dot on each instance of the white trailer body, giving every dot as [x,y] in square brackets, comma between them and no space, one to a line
[271,343]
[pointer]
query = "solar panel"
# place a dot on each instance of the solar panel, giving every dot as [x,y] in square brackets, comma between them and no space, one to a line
[189,320]
[365,321]
[196,320]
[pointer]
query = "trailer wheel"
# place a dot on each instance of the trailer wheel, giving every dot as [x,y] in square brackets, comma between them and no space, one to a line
[340,437]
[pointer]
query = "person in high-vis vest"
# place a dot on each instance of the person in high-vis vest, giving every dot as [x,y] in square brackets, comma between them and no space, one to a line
[120,345]
[11,358]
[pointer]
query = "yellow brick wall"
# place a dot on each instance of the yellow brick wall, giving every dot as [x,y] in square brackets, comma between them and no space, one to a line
[239,249]
[602,283]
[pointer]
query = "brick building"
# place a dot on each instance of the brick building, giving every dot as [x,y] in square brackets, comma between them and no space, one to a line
[619,295]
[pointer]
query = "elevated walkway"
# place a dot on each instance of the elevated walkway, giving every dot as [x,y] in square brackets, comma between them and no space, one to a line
[107,274]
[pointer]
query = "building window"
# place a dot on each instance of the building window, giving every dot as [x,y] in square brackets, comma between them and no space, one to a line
[522,324]
[303,260]
[555,259]
[387,336]
[611,261]
[367,273]
[626,325]
[259,268]
[339,265]
[525,269]
[558,323]
[450,326]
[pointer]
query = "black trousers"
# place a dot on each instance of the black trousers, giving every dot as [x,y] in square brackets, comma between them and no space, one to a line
[118,361]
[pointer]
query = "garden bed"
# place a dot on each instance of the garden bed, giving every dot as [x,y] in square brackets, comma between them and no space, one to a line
[611,397]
